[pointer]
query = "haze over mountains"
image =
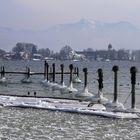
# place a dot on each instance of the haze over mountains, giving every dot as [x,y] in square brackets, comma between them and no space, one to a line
[79,35]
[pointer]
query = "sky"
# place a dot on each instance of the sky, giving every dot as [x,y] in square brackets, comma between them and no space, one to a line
[42,14]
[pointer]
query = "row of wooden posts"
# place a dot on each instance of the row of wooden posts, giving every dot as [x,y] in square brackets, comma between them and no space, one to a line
[72,71]
[115,69]
[46,73]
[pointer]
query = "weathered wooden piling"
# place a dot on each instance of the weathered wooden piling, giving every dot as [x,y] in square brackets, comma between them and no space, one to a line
[2,71]
[133,72]
[77,72]
[53,72]
[27,76]
[62,73]
[70,89]
[76,75]
[100,80]
[115,70]
[85,95]
[28,72]
[71,72]
[115,104]
[45,70]
[85,77]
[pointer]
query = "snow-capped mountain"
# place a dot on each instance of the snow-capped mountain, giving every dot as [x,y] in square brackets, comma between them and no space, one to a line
[79,35]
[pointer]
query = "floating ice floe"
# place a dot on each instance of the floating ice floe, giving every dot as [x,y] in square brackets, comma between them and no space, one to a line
[64,106]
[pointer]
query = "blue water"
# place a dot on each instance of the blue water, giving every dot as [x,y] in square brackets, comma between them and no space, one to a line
[20,124]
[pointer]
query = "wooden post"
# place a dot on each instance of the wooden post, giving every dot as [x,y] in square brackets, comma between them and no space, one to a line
[115,70]
[100,80]
[62,73]
[77,72]
[71,71]
[45,69]
[53,72]
[28,72]
[133,71]
[2,72]
[85,75]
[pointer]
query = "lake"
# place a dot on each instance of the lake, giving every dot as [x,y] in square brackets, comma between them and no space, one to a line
[27,124]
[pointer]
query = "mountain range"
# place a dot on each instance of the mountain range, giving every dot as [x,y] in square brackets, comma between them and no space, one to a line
[80,35]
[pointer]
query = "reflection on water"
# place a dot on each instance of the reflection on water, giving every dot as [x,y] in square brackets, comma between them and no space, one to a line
[19,124]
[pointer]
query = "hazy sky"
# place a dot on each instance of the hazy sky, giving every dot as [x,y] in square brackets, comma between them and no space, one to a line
[41,14]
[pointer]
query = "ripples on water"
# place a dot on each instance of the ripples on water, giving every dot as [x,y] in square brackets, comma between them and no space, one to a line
[20,124]
[46,125]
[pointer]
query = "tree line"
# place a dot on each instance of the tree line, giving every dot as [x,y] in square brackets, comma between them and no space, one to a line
[30,50]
